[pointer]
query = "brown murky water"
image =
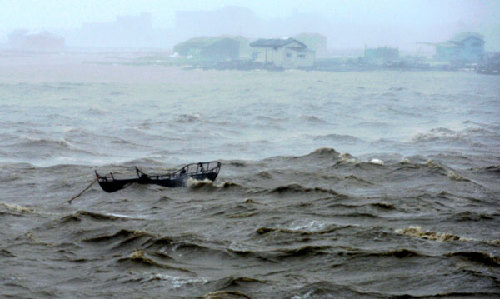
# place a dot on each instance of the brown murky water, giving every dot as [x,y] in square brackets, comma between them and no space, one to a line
[333,185]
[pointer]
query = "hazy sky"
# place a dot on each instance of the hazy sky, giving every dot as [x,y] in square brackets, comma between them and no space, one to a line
[380,16]
[39,14]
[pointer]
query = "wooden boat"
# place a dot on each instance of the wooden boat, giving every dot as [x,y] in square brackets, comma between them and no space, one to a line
[198,171]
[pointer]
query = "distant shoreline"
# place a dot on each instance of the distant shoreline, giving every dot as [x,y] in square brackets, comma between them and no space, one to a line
[148,68]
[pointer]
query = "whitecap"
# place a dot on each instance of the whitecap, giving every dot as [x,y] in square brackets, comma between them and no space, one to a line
[377,161]
[177,282]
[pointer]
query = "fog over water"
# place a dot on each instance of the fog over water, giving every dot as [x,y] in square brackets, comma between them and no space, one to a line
[381,183]
[346,24]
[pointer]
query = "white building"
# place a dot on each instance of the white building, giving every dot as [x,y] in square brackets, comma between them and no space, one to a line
[282,53]
[464,47]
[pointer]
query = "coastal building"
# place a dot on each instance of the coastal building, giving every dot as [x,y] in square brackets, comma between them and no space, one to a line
[282,53]
[490,64]
[465,47]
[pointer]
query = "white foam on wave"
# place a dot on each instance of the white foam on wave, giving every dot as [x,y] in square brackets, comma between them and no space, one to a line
[454,176]
[117,215]
[416,231]
[309,226]
[346,157]
[377,161]
[68,129]
[15,208]
[175,281]
[197,183]
[307,295]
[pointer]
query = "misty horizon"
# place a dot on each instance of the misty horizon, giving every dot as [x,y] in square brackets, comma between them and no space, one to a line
[346,26]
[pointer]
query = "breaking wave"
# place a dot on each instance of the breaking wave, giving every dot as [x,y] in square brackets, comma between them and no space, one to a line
[15,209]
[123,235]
[207,185]
[416,231]
[296,188]
[477,257]
[80,215]
[140,257]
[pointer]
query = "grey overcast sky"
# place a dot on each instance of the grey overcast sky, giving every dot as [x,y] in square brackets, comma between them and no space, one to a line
[411,16]
[40,14]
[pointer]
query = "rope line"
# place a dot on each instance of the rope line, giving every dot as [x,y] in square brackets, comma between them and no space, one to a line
[83,191]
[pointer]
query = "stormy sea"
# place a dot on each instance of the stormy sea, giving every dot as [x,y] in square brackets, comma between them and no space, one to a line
[381,184]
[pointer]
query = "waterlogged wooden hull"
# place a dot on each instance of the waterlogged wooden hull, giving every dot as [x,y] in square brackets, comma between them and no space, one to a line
[203,171]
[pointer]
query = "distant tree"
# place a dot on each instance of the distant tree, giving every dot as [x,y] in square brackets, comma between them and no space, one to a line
[210,48]
[23,40]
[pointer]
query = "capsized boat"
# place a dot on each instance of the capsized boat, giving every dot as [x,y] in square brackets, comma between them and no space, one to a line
[198,171]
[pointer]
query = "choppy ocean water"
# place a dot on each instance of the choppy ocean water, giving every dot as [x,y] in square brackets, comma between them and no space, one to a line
[373,184]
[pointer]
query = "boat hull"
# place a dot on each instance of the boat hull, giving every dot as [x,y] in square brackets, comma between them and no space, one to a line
[175,179]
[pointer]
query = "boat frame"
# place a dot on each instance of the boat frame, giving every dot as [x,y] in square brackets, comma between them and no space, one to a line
[197,171]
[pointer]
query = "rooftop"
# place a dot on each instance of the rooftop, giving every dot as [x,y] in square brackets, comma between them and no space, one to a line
[275,42]
[466,35]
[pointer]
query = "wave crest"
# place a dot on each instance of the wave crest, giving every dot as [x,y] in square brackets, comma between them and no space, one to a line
[16,209]
[416,231]
[479,257]
[296,188]
[80,215]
